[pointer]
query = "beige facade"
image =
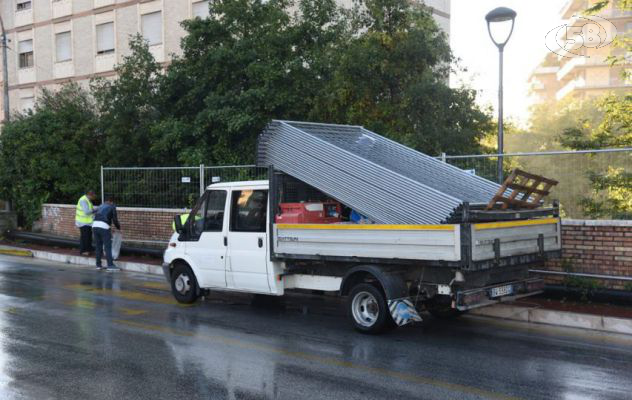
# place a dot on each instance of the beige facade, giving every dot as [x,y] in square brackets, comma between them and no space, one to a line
[587,74]
[56,41]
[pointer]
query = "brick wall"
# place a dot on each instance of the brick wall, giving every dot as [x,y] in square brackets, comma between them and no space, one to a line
[595,247]
[138,224]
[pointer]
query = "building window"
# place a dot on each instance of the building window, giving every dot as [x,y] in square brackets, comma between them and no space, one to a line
[25,48]
[23,5]
[63,46]
[151,25]
[105,38]
[27,103]
[201,9]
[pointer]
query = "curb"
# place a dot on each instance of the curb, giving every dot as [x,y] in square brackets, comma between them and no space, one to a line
[79,260]
[557,318]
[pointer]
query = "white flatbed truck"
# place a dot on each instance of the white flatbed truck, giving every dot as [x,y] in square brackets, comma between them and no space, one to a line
[388,273]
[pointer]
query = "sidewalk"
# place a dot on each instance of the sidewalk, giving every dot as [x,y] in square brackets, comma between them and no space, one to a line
[70,256]
[610,319]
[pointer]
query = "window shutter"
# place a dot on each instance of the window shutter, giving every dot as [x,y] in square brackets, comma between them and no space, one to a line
[25,46]
[152,27]
[105,38]
[201,9]
[63,45]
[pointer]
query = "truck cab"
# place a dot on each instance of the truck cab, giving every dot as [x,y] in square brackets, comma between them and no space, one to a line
[224,243]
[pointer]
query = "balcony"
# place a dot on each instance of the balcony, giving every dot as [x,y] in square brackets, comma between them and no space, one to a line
[572,85]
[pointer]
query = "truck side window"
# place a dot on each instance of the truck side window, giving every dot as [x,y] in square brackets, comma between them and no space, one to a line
[249,210]
[208,215]
[214,220]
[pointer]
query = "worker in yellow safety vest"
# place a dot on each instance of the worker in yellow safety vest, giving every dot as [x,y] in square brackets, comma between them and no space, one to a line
[183,220]
[83,220]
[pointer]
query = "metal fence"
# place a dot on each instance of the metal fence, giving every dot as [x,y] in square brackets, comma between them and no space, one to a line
[169,187]
[586,177]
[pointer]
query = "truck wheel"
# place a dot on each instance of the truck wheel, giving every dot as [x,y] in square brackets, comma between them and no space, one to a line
[183,284]
[368,310]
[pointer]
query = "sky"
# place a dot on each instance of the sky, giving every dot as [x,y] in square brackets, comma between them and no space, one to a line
[525,50]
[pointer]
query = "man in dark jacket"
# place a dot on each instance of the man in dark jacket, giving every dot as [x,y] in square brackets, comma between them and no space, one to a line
[104,218]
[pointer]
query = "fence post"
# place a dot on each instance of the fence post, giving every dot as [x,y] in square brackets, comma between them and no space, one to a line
[443,158]
[202,185]
[102,187]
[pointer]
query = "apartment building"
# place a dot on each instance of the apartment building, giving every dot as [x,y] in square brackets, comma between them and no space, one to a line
[586,74]
[56,41]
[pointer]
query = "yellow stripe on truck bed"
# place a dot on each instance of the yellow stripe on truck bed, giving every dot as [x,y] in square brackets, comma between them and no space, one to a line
[511,224]
[369,227]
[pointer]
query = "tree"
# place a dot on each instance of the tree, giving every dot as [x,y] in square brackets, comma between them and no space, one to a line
[392,78]
[128,107]
[50,153]
[254,63]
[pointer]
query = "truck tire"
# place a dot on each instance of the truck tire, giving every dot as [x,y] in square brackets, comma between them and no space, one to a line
[368,309]
[184,285]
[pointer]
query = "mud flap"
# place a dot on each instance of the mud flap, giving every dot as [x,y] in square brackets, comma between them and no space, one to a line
[403,311]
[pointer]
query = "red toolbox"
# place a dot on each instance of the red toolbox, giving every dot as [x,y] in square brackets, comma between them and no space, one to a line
[309,213]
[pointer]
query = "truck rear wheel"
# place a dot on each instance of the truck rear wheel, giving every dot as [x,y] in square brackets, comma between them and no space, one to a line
[183,284]
[368,309]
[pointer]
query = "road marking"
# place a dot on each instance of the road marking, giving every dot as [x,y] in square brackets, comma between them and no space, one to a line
[16,253]
[155,285]
[123,294]
[132,312]
[322,360]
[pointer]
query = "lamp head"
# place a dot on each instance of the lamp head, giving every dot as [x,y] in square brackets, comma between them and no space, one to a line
[500,14]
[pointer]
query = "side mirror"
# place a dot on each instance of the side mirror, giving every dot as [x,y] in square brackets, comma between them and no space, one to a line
[177,224]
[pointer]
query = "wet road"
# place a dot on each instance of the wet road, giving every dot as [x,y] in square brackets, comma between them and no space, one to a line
[70,333]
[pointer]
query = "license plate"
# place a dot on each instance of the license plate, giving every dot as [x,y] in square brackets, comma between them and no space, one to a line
[501,291]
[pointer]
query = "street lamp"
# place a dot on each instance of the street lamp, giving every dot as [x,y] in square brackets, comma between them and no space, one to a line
[497,16]
[5,72]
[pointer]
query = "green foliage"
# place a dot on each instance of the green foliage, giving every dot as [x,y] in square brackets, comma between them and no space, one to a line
[392,78]
[611,187]
[50,153]
[128,107]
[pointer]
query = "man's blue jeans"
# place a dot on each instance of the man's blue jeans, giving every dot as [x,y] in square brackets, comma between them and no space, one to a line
[103,240]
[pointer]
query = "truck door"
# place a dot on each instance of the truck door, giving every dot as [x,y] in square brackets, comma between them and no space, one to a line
[205,239]
[247,266]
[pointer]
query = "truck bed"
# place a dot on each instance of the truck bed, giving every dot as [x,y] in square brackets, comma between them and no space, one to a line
[447,244]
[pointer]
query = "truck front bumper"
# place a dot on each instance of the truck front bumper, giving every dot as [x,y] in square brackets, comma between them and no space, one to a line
[508,291]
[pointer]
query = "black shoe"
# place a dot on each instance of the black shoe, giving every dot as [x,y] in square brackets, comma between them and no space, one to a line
[99,267]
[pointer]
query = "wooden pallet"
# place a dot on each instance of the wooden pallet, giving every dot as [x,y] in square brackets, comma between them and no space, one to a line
[526,191]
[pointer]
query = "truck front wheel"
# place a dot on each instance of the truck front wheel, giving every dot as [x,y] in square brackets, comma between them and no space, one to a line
[183,284]
[368,309]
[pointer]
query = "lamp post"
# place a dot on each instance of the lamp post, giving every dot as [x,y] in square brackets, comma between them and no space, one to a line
[499,15]
[5,72]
